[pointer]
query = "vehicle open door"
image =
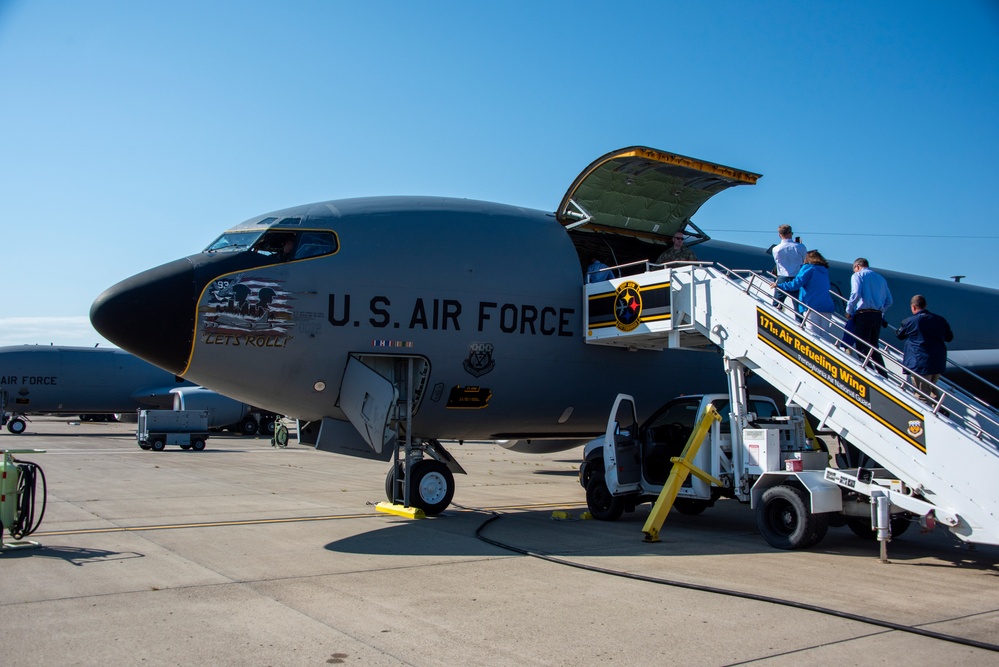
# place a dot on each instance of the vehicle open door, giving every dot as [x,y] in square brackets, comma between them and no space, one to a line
[622,467]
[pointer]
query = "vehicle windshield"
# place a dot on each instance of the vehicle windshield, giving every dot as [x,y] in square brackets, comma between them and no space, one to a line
[234,241]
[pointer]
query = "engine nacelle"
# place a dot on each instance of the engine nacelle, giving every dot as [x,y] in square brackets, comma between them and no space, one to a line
[222,410]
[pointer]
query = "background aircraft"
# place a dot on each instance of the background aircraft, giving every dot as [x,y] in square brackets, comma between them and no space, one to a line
[469,312]
[98,382]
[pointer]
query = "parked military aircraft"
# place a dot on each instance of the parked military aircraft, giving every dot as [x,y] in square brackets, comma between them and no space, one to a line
[466,313]
[94,382]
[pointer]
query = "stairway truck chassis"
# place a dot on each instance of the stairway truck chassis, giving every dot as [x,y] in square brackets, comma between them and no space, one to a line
[936,456]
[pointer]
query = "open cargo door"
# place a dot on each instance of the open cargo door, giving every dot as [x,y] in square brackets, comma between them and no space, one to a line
[647,193]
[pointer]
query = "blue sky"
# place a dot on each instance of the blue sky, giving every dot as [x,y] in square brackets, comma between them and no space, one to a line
[133,133]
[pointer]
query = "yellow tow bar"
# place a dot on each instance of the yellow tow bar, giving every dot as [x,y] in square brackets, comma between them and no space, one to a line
[682,466]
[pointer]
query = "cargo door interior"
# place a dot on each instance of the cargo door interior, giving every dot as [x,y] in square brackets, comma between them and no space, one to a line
[629,202]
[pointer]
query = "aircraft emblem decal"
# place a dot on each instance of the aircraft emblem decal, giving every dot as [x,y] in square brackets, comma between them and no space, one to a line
[915,428]
[480,359]
[254,306]
[627,306]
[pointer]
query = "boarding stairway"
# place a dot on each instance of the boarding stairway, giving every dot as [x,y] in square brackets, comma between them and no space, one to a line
[943,450]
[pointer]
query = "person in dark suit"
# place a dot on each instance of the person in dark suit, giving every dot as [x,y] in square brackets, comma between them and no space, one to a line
[926,336]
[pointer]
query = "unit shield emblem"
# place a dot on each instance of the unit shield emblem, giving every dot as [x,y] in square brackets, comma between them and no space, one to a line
[480,359]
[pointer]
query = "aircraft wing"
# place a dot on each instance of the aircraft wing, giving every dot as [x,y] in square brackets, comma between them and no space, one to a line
[644,192]
[985,366]
[982,362]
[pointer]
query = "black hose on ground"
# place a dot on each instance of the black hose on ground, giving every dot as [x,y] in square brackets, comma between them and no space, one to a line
[732,593]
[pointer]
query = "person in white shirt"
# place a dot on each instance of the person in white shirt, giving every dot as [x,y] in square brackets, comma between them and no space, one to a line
[789,255]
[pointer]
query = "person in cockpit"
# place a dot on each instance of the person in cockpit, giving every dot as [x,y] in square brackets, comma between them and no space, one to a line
[287,249]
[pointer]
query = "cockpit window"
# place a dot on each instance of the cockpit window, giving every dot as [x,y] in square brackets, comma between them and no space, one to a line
[234,242]
[277,245]
[286,245]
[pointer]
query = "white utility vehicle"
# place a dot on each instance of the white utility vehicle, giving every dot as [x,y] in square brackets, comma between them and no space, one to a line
[783,472]
[159,428]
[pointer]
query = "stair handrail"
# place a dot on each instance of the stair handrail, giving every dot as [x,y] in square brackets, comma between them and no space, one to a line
[758,285]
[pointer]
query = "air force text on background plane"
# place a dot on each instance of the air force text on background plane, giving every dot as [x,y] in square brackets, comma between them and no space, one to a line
[29,379]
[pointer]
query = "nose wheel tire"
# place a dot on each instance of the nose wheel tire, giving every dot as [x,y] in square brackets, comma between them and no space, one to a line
[393,484]
[431,486]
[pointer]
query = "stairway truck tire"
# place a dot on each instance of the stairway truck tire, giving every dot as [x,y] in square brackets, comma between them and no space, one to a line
[785,520]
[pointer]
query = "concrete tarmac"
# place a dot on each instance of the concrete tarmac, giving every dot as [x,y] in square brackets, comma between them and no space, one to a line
[248,555]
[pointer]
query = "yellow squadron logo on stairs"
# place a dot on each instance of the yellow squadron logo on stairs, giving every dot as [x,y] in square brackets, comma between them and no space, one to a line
[627,306]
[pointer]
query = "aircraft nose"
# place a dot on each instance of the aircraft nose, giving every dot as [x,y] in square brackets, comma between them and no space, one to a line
[152,314]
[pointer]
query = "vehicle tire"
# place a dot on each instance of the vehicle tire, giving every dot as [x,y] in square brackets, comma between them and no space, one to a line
[431,486]
[601,503]
[690,506]
[157,445]
[390,479]
[17,426]
[862,528]
[185,446]
[267,425]
[248,426]
[146,447]
[198,444]
[785,521]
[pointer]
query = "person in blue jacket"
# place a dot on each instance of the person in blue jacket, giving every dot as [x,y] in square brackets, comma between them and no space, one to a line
[925,352]
[812,280]
[597,271]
